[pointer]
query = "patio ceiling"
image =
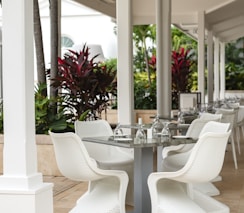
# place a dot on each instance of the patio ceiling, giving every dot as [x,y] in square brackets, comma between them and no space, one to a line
[224,17]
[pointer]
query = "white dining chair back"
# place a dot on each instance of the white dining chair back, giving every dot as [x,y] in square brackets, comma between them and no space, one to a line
[210,116]
[196,127]
[193,131]
[107,157]
[101,152]
[216,127]
[204,153]
[107,188]
[173,192]
[236,133]
[93,129]
[240,125]
[230,116]
[177,161]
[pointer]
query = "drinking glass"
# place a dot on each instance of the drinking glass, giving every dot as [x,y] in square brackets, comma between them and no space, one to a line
[118,132]
[165,135]
[181,119]
[157,127]
[140,135]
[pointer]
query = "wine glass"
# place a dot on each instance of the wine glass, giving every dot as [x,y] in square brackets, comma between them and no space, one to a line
[165,134]
[157,127]
[118,132]
[140,136]
[140,133]
[181,119]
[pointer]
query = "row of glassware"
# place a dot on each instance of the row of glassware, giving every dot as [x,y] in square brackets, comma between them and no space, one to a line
[158,130]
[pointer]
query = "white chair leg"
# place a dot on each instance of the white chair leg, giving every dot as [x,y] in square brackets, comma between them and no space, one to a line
[237,134]
[242,128]
[233,150]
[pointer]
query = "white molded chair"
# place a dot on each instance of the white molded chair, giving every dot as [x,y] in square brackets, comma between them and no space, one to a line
[236,107]
[230,116]
[173,191]
[177,161]
[107,157]
[107,188]
[210,116]
[240,125]
[193,131]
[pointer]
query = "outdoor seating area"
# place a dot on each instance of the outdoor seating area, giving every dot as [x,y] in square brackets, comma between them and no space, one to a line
[205,143]
[176,57]
[231,188]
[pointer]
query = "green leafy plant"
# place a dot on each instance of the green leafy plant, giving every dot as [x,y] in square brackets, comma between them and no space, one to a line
[83,85]
[45,119]
[144,94]
[232,73]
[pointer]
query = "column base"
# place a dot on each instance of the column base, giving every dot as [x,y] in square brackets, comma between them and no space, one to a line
[35,200]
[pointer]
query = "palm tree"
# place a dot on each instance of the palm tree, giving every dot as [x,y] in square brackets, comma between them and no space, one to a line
[41,69]
[54,5]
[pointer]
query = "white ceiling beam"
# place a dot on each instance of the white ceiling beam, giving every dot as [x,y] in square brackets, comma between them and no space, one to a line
[101,6]
[232,34]
[227,24]
[185,18]
[141,20]
[227,12]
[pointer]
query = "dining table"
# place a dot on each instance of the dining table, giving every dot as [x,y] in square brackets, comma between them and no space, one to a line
[143,162]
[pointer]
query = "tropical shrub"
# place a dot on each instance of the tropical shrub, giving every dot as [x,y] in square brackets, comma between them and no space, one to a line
[181,70]
[181,74]
[232,73]
[144,94]
[83,85]
[45,119]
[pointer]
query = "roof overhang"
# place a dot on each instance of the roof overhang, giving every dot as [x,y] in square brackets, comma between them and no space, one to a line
[224,17]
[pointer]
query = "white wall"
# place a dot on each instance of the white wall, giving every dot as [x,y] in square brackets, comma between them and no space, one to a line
[82,25]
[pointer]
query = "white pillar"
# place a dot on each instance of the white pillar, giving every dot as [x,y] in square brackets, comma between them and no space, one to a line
[21,186]
[216,69]
[201,54]
[124,65]
[210,67]
[163,21]
[222,70]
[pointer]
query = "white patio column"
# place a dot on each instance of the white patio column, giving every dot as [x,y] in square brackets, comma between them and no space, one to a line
[201,54]
[163,37]
[210,67]
[163,23]
[216,68]
[222,70]
[124,65]
[21,186]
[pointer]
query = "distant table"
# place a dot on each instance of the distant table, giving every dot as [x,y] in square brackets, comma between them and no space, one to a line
[165,118]
[143,164]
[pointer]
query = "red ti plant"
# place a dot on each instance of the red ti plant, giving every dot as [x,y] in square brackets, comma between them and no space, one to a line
[153,62]
[181,69]
[83,85]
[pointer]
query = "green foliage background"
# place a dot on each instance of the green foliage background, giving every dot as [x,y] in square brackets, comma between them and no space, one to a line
[145,76]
